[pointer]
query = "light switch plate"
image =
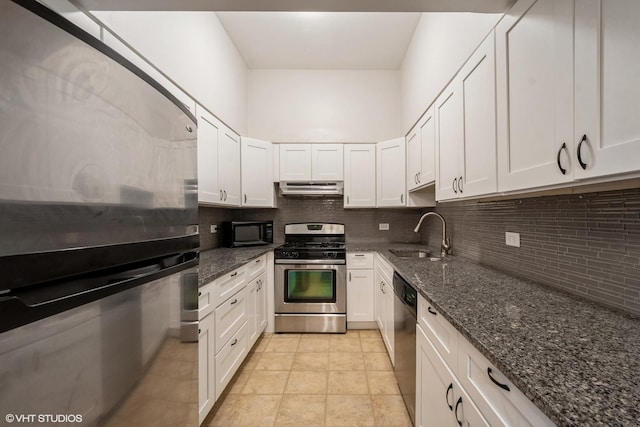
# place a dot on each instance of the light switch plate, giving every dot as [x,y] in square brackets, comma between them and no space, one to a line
[214,228]
[383,226]
[512,239]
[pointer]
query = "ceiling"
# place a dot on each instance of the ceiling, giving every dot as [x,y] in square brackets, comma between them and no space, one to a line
[314,34]
[320,40]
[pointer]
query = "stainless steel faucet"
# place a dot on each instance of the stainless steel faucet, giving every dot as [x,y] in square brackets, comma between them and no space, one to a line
[446,245]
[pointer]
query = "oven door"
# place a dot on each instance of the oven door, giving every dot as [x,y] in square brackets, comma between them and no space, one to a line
[310,288]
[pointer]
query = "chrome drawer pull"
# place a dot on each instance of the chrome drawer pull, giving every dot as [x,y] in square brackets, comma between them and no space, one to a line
[234,342]
[234,301]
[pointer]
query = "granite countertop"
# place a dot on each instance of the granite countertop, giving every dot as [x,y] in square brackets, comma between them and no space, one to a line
[218,262]
[576,360]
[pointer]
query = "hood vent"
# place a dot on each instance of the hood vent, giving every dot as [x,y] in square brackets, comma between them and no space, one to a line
[312,188]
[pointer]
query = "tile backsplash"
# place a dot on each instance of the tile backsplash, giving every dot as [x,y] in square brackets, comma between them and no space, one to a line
[361,225]
[587,244]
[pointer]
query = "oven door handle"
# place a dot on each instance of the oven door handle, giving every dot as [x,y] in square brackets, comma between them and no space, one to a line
[311,261]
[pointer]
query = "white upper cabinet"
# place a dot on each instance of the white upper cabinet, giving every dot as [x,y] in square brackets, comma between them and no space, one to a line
[311,162]
[327,162]
[607,97]
[421,153]
[218,161]
[208,134]
[360,175]
[534,74]
[295,162]
[450,138]
[477,159]
[390,176]
[229,167]
[257,165]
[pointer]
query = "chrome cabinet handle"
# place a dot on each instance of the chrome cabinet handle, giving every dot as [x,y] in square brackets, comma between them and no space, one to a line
[430,310]
[402,198]
[349,276]
[199,294]
[458,403]
[245,198]
[583,165]
[220,194]
[419,177]
[460,185]
[234,342]
[446,396]
[493,380]
[188,128]
[563,147]
[225,195]
[455,182]
[258,260]
[358,255]
[235,301]
[234,274]
[347,199]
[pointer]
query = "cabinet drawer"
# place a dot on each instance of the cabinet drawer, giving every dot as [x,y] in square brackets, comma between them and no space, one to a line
[256,267]
[205,300]
[500,407]
[440,332]
[360,261]
[229,359]
[230,316]
[228,285]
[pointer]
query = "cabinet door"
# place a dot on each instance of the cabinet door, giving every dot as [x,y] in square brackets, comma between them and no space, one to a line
[477,161]
[607,68]
[534,74]
[449,140]
[440,399]
[391,173]
[252,313]
[435,398]
[360,299]
[261,304]
[257,163]
[378,301]
[427,133]
[208,134]
[229,167]
[414,158]
[206,367]
[360,175]
[295,162]
[327,162]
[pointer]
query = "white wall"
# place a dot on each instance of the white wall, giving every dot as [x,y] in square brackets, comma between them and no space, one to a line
[440,45]
[193,49]
[324,105]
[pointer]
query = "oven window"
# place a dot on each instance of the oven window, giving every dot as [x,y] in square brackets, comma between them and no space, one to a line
[310,286]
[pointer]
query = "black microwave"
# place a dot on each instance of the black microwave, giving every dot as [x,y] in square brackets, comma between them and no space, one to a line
[236,234]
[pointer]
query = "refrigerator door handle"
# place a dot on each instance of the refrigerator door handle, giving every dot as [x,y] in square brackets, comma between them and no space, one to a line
[23,306]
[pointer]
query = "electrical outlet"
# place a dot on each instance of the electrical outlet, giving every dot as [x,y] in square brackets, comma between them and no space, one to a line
[383,226]
[214,228]
[512,239]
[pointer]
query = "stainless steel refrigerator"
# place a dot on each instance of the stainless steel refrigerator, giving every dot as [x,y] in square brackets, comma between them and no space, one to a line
[98,233]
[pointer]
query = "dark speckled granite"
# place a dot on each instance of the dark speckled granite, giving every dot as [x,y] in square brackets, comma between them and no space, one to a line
[218,262]
[576,360]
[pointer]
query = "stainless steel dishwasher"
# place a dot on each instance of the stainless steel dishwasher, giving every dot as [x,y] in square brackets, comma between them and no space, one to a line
[405,306]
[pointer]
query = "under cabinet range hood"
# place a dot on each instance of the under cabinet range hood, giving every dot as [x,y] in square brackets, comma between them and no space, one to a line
[312,188]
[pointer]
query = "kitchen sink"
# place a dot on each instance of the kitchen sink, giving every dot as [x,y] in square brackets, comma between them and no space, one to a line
[414,253]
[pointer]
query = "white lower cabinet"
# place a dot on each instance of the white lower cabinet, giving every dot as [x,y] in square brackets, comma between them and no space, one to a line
[257,308]
[440,400]
[383,285]
[206,367]
[360,289]
[457,385]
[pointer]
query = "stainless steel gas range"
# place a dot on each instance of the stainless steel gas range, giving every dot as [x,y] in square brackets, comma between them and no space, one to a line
[311,279]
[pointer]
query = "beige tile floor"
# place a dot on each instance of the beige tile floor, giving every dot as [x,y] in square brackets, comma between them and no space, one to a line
[307,380]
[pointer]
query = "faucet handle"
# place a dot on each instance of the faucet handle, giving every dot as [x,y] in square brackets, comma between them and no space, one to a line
[446,246]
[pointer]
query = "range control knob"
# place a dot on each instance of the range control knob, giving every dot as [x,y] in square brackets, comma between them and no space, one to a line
[294,254]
